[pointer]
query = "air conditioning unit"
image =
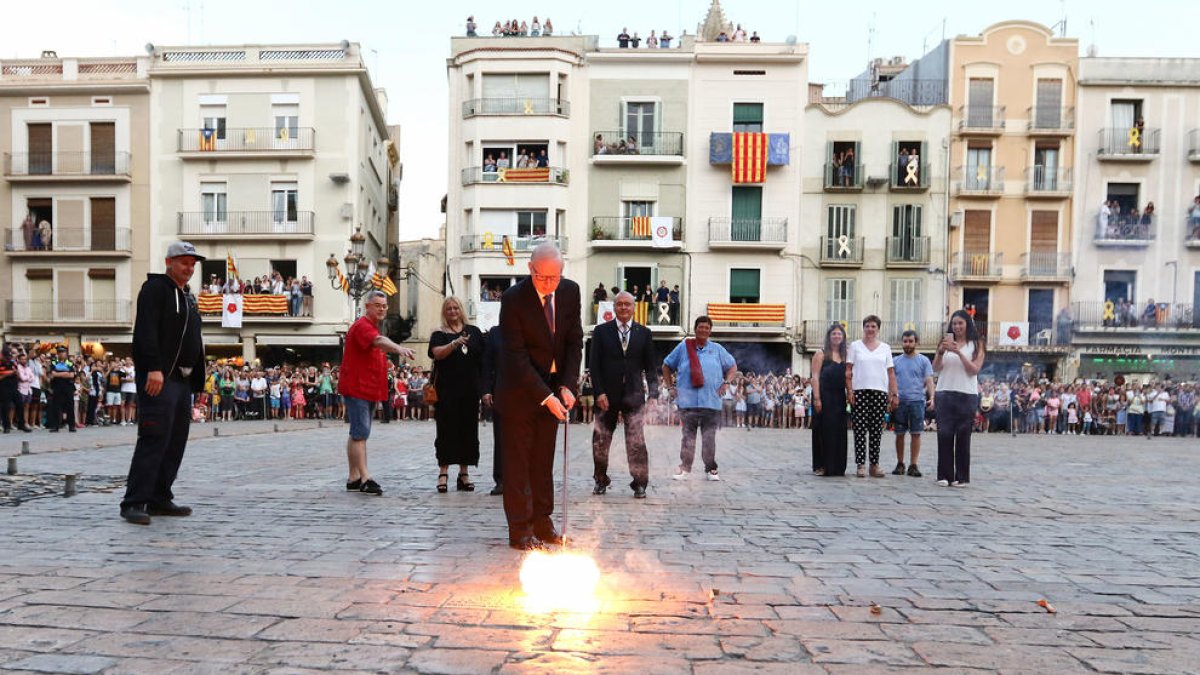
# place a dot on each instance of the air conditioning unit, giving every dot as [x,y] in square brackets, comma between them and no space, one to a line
[347,210]
[956,219]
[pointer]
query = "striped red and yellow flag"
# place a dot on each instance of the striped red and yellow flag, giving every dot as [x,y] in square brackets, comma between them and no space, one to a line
[641,312]
[383,283]
[749,157]
[747,312]
[507,248]
[639,226]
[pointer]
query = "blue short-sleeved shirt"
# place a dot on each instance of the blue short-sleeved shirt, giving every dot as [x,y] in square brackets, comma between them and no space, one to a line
[714,361]
[910,376]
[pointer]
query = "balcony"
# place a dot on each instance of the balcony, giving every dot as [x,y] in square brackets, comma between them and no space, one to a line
[839,179]
[910,252]
[1128,145]
[494,243]
[835,96]
[1194,145]
[906,179]
[929,333]
[1134,318]
[92,167]
[74,241]
[768,233]
[981,120]
[257,308]
[516,106]
[1047,183]
[239,224]
[1124,230]
[657,316]
[93,313]
[1191,234]
[544,175]
[617,147]
[1049,121]
[979,181]
[841,251]
[633,233]
[977,266]
[1038,335]
[744,317]
[1046,266]
[247,142]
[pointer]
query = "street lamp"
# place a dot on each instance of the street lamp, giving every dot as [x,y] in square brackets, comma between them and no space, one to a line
[358,280]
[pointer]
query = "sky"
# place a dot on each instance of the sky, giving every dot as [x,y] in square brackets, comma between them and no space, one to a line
[405,43]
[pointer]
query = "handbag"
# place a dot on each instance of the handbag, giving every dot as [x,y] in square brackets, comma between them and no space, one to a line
[430,389]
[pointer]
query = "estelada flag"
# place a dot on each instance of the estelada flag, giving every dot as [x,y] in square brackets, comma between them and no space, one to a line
[749,157]
[208,139]
[508,251]
[639,226]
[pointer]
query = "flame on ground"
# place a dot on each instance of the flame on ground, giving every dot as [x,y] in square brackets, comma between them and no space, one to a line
[560,582]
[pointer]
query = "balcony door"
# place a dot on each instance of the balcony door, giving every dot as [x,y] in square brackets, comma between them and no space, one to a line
[284,200]
[214,209]
[104,148]
[104,224]
[746,216]
[1120,285]
[1045,167]
[840,301]
[904,306]
[640,123]
[906,232]
[41,149]
[1043,243]
[979,102]
[839,223]
[1041,315]
[1048,113]
[979,167]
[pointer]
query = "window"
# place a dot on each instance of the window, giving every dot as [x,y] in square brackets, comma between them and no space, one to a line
[516,93]
[531,223]
[744,285]
[640,122]
[497,155]
[839,300]
[979,102]
[908,157]
[286,268]
[284,197]
[634,209]
[1045,166]
[979,167]
[213,206]
[905,303]
[746,212]
[213,117]
[1048,113]
[840,221]
[747,117]
[843,168]
[287,121]
[907,239]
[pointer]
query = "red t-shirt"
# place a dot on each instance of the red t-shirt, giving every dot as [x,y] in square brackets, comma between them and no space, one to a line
[364,368]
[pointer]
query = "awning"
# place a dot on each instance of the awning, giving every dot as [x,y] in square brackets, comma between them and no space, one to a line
[109,339]
[298,339]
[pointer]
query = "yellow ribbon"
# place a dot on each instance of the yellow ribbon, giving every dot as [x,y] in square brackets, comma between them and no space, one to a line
[911,177]
[489,240]
[528,107]
[981,173]
[1109,314]
[1135,138]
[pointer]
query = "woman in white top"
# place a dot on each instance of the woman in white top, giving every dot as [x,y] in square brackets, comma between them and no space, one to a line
[871,382]
[957,363]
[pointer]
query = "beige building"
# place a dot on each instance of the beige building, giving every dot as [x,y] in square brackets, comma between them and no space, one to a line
[1137,276]
[274,155]
[75,198]
[1012,90]
[874,205]
[420,283]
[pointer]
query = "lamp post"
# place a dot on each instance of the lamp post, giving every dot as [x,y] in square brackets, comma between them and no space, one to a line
[357,281]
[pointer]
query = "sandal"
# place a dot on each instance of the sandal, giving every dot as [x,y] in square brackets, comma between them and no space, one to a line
[443,482]
[464,484]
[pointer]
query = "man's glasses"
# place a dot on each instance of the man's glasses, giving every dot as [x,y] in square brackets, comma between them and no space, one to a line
[547,277]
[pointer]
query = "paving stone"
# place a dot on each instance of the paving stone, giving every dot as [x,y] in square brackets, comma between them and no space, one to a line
[376,658]
[1023,658]
[454,661]
[63,663]
[860,652]
[201,624]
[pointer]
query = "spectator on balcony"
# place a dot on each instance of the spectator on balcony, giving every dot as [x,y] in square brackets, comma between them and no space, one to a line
[631,146]
[296,297]
[623,38]
[522,161]
[722,37]
[497,30]
[489,164]
[535,29]
[471,26]
[524,31]
[663,294]
[754,38]
[664,42]
[543,160]
[901,166]
[599,147]
[547,28]
[214,286]
[1063,326]
[27,230]
[1150,314]
[847,167]
[652,41]
[600,294]
[635,40]
[503,162]
[1194,219]
[306,301]
[45,237]
[739,35]
[635,291]
[1147,220]
[274,285]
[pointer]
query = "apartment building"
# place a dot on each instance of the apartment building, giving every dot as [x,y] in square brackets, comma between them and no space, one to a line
[1012,150]
[272,156]
[874,204]
[1137,224]
[75,198]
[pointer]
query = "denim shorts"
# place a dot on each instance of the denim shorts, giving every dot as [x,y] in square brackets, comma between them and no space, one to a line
[909,418]
[359,413]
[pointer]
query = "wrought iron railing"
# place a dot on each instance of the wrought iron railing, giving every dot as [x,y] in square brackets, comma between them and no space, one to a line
[1125,228]
[1047,180]
[901,178]
[66,163]
[516,106]
[1139,315]
[982,180]
[262,139]
[199,223]
[69,239]
[494,243]
[614,228]
[978,264]
[66,309]
[981,118]
[633,143]
[748,230]
[841,250]
[474,175]
[1051,119]
[1129,143]
[843,177]
[1046,265]
[905,251]
[913,92]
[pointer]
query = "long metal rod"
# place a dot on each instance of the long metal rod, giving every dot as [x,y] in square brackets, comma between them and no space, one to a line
[566,466]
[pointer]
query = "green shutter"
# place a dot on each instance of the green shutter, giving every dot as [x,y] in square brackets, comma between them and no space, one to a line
[747,213]
[747,113]
[743,284]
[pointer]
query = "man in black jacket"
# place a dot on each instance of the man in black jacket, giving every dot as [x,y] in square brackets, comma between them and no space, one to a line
[491,364]
[168,355]
[622,352]
[535,390]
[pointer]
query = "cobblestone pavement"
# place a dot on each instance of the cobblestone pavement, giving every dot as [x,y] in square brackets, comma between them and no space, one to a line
[281,570]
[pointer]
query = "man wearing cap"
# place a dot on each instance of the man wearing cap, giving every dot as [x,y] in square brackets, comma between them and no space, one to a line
[168,355]
[61,374]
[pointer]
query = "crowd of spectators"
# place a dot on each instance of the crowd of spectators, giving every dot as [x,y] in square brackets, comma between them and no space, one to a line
[37,237]
[1091,407]
[514,28]
[1113,223]
[299,291]
[55,389]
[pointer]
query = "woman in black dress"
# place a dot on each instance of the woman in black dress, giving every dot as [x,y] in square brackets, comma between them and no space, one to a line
[829,404]
[457,352]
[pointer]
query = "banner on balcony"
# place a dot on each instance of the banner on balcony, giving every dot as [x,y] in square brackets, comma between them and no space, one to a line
[747,312]
[661,229]
[604,311]
[749,157]
[231,311]
[487,315]
[212,303]
[537,175]
[208,139]
[1014,334]
[639,227]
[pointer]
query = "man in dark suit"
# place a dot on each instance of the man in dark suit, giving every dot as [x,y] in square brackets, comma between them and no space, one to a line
[622,351]
[535,389]
[491,365]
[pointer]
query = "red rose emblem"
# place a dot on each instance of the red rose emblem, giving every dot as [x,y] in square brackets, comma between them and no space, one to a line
[1014,332]
[232,307]
[608,316]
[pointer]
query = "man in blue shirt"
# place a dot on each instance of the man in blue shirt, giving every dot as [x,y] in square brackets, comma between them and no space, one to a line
[914,378]
[699,371]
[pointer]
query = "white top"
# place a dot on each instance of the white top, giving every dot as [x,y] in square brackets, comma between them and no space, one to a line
[1158,401]
[870,367]
[953,377]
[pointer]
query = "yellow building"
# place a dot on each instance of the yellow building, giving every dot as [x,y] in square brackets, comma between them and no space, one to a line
[1012,92]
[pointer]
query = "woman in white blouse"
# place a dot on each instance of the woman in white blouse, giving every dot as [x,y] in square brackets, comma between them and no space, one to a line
[871,383]
[957,363]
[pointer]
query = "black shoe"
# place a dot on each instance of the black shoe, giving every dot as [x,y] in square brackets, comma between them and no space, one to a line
[136,514]
[914,471]
[27,430]
[899,470]
[639,491]
[464,484]
[354,485]
[72,429]
[601,488]
[169,509]
[8,431]
[443,479]
[497,491]
[53,431]
[371,487]
[526,543]
[548,535]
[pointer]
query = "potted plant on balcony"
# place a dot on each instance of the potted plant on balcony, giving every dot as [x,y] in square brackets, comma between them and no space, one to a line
[598,233]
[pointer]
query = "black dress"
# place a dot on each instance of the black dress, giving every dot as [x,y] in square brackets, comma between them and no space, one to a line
[829,433]
[458,390]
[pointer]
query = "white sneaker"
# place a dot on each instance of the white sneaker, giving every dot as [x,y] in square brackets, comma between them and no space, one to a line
[943,483]
[680,474]
[958,484]
[712,475]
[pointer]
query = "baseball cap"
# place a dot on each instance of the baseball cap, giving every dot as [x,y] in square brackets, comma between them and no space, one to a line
[181,248]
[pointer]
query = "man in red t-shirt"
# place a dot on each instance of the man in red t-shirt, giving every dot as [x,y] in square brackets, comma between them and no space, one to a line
[363,383]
